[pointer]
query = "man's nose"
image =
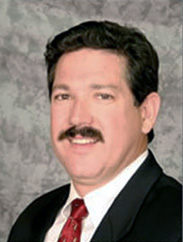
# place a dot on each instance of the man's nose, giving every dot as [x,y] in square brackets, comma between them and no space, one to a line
[80,113]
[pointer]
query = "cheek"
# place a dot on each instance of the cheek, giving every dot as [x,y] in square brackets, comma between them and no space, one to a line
[58,116]
[121,126]
[56,120]
[113,127]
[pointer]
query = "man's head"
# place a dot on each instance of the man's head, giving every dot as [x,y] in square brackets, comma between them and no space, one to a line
[102,80]
[142,59]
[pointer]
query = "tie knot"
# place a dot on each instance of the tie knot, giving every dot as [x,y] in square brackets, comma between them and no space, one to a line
[78,209]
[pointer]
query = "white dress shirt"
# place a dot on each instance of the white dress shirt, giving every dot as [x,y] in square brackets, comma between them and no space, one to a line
[97,202]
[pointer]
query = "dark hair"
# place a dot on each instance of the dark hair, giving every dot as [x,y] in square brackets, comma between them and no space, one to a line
[142,59]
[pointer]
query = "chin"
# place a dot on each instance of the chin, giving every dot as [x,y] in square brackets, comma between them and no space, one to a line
[83,173]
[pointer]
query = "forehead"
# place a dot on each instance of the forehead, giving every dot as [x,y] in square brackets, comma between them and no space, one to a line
[88,65]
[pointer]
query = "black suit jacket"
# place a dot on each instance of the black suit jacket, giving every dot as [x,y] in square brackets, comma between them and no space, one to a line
[148,209]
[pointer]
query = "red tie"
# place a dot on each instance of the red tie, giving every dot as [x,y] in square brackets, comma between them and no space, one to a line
[72,229]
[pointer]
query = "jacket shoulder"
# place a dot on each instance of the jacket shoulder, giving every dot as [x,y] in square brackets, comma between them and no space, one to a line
[37,217]
[58,195]
[159,218]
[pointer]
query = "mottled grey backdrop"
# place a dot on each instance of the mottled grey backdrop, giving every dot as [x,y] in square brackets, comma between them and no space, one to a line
[28,166]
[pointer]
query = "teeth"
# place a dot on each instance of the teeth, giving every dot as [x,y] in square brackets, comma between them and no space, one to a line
[82,141]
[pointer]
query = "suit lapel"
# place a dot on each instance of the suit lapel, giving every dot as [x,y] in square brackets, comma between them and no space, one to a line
[48,212]
[123,211]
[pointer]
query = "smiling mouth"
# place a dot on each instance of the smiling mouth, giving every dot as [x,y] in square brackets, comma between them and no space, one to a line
[81,135]
[83,141]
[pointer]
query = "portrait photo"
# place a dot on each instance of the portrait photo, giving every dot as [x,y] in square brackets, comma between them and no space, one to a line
[90,105]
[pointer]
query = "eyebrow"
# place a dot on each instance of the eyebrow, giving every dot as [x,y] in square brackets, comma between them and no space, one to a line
[60,87]
[93,86]
[101,86]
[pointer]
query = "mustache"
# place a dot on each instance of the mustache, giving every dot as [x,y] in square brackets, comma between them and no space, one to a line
[85,131]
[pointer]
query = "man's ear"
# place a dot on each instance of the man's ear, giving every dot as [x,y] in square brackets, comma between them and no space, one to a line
[149,111]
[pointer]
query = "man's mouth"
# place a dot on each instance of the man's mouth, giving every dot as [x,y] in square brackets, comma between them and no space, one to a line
[83,141]
[81,135]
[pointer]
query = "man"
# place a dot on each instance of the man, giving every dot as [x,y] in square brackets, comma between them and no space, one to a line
[103,81]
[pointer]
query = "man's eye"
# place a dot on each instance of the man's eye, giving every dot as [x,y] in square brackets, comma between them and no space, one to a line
[105,96]
[61,97]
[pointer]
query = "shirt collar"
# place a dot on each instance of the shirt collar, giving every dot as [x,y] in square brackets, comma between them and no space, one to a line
[72,196]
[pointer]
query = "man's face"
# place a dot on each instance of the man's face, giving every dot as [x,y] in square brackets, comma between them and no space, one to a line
[90,91]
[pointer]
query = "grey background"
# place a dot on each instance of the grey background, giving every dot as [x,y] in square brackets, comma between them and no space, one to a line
[28,166]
